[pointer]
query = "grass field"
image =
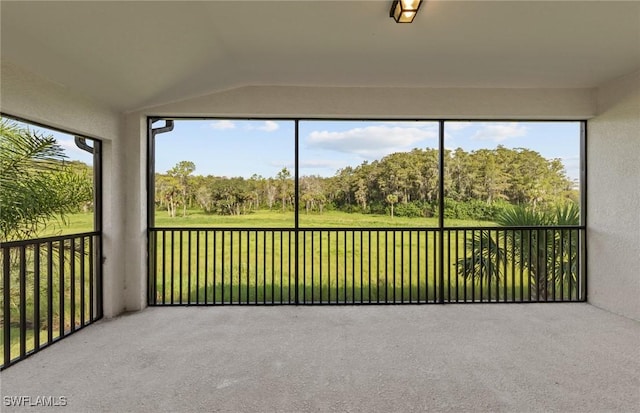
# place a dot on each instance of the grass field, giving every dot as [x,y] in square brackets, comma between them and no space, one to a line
[278,219]
[83,222]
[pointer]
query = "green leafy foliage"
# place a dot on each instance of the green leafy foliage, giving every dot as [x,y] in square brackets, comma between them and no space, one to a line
[38,185]
[543,254]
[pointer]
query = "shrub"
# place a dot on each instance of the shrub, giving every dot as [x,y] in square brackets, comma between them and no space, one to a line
[410,210]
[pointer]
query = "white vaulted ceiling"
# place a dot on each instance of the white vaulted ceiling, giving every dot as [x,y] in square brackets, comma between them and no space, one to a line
[130,55]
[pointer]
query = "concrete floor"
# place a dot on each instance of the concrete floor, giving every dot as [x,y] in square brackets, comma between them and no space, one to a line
[517,358]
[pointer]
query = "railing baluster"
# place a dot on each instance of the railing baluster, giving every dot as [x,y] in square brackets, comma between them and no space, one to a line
[353,266]
[273,252]
[344,269]
[473,265]
[180,266]
[570,264]
[173,268]
[378,267]
[313,264]
[419,235]
[554,266]
[504,259]
[197,267]
[386,266]
[328,267]
[6,292]
[410,261]
[36,294]
[249,264]
[214,265]
[437,243]
[482,265]
[304,267]
[369,261]
[546,266]
[206,267]
[426,266]
[222,272]
[256,269]
[457,272]
[239,267]
[361,253]
[490,247]
[61,288]
[72,287]
[401,266]
[448,234]
[92,275]
[521,268]
[281,265]
[49,292]
[264,267]
[394,251]
[231,270]
[337,269]
[321,286]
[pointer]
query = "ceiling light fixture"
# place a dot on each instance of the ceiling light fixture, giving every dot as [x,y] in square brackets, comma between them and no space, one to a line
[404,11]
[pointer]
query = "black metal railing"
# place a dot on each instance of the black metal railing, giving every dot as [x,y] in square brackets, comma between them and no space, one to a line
[213,266]
[51,288]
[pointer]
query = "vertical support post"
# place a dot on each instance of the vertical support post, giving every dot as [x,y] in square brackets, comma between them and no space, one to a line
[583,291]
[6,305]
[150,205]
[151,241]
[296,214]
[98,253]
[441,208]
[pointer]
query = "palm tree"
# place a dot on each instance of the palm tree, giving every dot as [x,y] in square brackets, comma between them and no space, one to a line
[547,256]
[37,185]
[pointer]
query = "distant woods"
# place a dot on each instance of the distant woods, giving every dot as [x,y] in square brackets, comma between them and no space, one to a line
[478,185]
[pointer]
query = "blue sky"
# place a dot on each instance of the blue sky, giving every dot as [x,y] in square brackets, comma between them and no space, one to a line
[242,148]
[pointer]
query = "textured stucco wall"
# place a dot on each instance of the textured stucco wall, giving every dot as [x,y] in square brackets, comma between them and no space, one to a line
[26,95]
[614,198]
[135,223]
[376,102]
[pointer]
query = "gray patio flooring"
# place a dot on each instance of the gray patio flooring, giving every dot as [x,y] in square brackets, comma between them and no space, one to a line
[516,358]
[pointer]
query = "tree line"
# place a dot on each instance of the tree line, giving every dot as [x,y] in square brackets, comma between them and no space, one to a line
[477,185]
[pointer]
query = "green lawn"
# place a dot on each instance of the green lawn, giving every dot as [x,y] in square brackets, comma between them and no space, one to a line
[83,222]
[279,219]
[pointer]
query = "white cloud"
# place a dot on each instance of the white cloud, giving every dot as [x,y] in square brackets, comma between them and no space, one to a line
[498,132]
[370,142]
[267,126]
[456,126]
[223,124]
